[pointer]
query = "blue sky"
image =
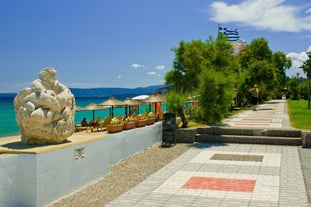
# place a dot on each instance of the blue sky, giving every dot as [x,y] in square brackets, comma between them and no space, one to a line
[127,43]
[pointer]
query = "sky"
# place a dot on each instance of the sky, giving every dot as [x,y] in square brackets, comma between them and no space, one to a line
[128,43]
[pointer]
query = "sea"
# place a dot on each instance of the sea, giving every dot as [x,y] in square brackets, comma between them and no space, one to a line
[8,125]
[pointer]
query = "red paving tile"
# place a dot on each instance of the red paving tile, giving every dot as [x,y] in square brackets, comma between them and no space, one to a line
[222,184]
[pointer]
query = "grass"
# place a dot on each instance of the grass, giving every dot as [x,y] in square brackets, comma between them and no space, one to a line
[195,124]
[299,114]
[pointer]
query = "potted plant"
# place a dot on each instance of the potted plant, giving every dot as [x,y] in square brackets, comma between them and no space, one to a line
[151,118]
[140,120]
[129,123]
[115,125]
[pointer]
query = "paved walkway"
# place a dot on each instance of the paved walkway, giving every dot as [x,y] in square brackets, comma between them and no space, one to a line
[229,174]
[273,114]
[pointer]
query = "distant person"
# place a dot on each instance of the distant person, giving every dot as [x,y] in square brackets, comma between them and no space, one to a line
[255,93]
[84,122]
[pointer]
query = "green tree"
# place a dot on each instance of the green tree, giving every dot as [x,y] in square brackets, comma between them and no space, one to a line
[175,103]
[264,68]
[303,89]
[282,63]
[306,67]
[216,94]
[210,69]
[186,66]
[294,87]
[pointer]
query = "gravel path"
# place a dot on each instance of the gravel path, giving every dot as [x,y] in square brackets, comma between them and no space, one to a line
[123,176]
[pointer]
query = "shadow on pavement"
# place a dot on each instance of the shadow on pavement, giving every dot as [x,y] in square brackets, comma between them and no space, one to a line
[208,145]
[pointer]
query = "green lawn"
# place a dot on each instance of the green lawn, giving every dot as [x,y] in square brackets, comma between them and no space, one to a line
[299,114]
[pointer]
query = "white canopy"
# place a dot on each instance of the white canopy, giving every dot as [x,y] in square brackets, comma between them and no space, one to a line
[140,97]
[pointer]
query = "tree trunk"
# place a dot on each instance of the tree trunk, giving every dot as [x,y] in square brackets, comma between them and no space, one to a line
[184,120]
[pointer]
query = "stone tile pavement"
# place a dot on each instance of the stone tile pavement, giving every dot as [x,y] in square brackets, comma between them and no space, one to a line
[212,174]
[234,179]
[272,114]
[305,159]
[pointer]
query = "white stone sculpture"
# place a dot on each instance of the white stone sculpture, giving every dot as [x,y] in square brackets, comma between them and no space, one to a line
[45,112]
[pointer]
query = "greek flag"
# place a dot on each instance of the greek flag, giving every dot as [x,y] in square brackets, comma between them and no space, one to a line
[233,35]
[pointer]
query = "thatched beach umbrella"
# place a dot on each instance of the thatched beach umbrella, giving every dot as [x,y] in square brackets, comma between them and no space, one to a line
[155,98]
[78,108]
[140,98]
[131,102]
[113,102]
[94,107]
[193,101]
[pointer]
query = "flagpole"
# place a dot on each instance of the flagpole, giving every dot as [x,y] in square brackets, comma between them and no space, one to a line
[218,29]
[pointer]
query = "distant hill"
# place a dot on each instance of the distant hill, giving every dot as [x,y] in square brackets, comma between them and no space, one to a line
[7,95]
[120,93]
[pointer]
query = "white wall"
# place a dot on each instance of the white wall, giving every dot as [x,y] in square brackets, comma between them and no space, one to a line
[38,179]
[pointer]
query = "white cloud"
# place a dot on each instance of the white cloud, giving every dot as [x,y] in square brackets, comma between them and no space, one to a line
[297,61]
[297,58]
[160,67]
[119,76]
[274,15]
[135,65]
[154,73]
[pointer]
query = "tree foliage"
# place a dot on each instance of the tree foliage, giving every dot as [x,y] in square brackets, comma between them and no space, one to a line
[293,86]
[264,68]
[306,67]
[210,69]
[213,71]
[299,87]
[175,102]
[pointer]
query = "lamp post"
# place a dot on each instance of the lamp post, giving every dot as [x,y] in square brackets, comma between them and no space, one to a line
[309,74]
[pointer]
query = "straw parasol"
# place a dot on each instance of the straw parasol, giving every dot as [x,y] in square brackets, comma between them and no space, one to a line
[112,101]
[155,98]
[131,102]
[193,101]
[78,108]
[93,107]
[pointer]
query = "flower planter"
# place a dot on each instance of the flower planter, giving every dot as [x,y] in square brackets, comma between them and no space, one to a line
[140,123]
[129,125]
[150,121]
[114,128]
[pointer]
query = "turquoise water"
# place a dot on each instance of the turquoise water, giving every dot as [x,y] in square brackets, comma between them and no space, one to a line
[8,126]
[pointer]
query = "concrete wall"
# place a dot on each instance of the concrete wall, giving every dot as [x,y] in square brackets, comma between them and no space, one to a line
[38,179]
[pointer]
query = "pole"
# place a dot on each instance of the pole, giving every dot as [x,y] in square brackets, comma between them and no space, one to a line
[309,76]
[309,90]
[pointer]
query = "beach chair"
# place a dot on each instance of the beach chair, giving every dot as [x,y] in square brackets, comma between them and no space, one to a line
[97,125]
[104,123]
[79,128]
[90,125]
